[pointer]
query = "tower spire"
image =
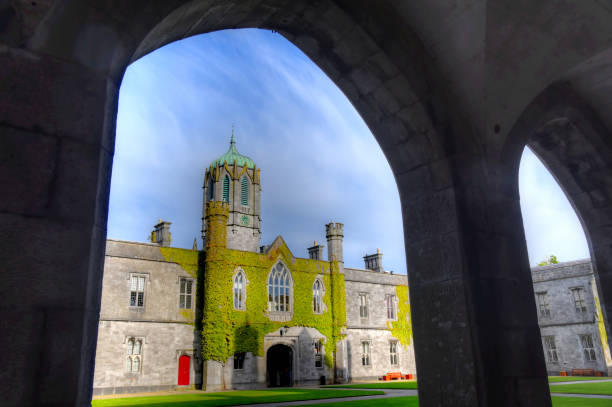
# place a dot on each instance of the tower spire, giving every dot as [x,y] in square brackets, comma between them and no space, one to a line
[232,140]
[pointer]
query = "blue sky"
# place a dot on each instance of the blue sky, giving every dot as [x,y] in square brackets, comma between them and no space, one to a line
[319,161]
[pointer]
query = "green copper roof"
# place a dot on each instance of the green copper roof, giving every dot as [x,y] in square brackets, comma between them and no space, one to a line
[233,155]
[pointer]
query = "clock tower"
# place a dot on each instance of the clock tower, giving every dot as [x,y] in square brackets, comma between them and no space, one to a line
[234,178]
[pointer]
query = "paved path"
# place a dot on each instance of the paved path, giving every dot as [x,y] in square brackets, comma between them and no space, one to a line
[586,396]
[580,382]
[388,394]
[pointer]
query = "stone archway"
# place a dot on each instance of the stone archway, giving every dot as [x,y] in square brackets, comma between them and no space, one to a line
[279,366]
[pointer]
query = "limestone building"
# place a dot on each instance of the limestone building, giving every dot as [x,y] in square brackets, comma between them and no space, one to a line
[570,318]
[240,315]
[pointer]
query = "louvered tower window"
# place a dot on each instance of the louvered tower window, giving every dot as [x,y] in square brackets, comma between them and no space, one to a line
[226,187]
[244,191]
[211,189]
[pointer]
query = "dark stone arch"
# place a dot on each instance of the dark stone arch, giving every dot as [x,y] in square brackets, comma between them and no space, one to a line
[563,130]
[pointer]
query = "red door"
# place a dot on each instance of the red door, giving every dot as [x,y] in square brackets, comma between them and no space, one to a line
[183,377]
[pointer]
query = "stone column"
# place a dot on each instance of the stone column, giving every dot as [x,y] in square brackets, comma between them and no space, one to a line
[476,334]
[56,152]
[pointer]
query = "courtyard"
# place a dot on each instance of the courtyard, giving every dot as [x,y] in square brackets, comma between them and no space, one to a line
[565,391]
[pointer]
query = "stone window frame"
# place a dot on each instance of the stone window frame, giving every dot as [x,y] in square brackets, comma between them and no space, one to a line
[274,315]
[579,303]
[394,352]
[130,278]
[362,307]
[393,308]
[317,302]
[130,342]
[191,296]
[588,349]
[550,346]
[239,361]
[543,304]
[365,356]
[241,306]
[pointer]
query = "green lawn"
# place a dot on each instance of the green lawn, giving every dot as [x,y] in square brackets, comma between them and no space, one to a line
[231,398]
[584,388]
[557,379]
[382,385]
[413,401]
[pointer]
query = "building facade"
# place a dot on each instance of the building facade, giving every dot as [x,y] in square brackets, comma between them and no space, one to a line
[239,315]
[570,318]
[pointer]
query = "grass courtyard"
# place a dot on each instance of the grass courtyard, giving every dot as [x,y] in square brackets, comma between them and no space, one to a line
[231,398]
[604,388]
[559,379]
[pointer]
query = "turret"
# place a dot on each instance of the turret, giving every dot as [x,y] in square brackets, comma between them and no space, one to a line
[334,233]
[216,224]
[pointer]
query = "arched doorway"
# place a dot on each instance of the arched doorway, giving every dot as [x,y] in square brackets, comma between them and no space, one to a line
[183,370]
[279,364]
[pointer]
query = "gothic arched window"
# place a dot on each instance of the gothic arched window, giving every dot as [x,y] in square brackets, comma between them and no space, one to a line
[240,291]
[134,351]
[317,296]
[226,188]
[244,191]
[211,189]
[279,289]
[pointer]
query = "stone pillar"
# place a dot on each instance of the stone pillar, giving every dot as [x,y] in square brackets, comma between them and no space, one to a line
[476,335]
[316,251]
[56,149]
[334,234]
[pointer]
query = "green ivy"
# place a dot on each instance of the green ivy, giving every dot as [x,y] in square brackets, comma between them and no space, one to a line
[226,331]
[402,327]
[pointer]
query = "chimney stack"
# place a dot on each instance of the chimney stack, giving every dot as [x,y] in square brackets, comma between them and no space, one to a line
[374,261]
[161,233]
[316,252]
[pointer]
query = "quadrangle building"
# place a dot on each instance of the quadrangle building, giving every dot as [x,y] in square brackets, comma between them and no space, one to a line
[240,315]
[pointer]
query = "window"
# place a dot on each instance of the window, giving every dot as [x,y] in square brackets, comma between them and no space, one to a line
[317,295]
[239,360]
[240,291]
[186,293]
[137,291]
[587,347]
[578,296]
[226,188]
[365,353]
[551,349]
[543,307]
[393,353]
[390,301]
[318,352]
[134,351]
[279,289]
[211,189]
[363,305]
[244,191]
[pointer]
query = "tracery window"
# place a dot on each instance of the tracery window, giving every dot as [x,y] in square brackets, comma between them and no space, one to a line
[551,349]
[587,347]
[579,302]
[393,359]
[390,303]
[134,350]
[363,305]
[279,289]
[317,296]
[365,353]
[226,188]
[239,291]
[543,304]
[185,293]
[244,191]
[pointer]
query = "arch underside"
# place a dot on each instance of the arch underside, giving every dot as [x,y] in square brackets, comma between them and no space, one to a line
[434,110]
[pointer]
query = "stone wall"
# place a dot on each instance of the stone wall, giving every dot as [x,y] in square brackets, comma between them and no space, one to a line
[564,323]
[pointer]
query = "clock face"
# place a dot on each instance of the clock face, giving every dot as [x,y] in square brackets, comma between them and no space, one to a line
[245,220]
